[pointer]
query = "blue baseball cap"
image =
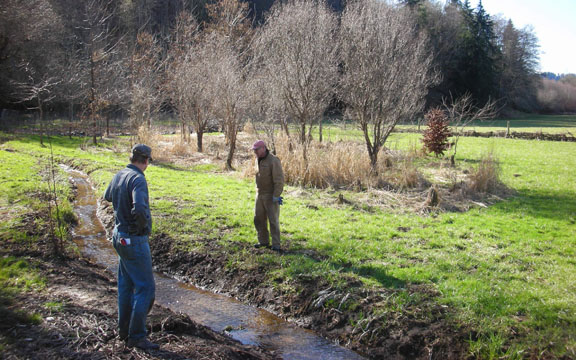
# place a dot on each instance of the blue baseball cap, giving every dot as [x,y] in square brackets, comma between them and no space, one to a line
[142,150]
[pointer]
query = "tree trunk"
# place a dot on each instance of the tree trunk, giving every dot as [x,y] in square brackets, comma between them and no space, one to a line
[285,128]
[320,130]
[148,117]
[41,118]
[199,136]
[374,162]
[231,147]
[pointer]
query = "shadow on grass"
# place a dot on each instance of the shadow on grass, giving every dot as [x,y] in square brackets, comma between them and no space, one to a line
[309,259]
[377,273]
[9,314]
[169,166]
[560,206]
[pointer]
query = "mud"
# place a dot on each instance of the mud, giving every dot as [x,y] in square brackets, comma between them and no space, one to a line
[83,324]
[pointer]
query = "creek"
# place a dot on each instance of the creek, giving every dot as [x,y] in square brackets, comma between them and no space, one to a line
[247,324]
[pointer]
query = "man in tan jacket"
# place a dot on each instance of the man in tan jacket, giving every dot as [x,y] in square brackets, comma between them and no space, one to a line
[270,183]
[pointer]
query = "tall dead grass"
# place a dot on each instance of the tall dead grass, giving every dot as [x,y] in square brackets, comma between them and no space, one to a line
[486,177]
[163,148]
[344,165]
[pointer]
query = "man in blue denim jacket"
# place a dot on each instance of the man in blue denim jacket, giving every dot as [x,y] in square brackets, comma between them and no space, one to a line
[128,193]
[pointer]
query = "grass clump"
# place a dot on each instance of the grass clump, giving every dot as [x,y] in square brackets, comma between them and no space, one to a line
[486,177]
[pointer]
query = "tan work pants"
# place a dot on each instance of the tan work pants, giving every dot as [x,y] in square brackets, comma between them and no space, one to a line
[265,210]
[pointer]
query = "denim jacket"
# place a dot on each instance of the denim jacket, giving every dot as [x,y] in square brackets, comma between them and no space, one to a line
[128,192]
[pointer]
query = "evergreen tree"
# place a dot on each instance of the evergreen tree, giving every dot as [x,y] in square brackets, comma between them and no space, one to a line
[476,65]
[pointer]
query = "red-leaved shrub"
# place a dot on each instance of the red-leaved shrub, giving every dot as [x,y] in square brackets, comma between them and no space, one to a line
[436,136]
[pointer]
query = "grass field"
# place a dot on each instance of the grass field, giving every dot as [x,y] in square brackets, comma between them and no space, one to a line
[551,124]
[507,271]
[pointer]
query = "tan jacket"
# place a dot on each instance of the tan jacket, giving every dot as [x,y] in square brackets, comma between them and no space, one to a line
[270,177]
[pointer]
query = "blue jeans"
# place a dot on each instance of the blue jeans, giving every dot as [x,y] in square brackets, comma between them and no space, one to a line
[136,288]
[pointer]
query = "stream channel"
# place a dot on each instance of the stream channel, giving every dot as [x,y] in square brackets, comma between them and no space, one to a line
[252,325]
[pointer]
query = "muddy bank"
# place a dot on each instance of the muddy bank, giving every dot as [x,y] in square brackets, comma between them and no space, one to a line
[81,321]
[420,331]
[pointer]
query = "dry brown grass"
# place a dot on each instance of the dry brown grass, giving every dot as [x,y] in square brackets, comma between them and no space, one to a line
[153,139]
[249,128]
[164,149]
[180,148]
[343,165]
[486,177]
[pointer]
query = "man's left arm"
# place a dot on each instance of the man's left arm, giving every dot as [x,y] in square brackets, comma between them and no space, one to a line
[277,178]
[140,205]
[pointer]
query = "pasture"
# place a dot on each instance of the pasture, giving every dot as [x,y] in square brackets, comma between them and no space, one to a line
[504,272]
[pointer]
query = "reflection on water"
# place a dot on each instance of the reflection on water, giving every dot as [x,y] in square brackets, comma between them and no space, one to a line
[251,325]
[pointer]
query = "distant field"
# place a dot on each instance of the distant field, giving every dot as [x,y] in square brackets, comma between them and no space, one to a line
[553,124]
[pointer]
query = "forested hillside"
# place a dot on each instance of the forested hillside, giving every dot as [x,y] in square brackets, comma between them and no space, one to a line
[96,57]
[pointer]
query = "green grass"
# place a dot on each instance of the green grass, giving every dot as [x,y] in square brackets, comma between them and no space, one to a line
[552,124]
[17,276]
[502,270]
[54,306]
[532,123]
[25,185]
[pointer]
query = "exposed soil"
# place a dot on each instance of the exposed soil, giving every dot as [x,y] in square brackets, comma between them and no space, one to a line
[84,326]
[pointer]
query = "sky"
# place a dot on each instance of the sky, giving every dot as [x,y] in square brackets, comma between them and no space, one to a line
[554,23]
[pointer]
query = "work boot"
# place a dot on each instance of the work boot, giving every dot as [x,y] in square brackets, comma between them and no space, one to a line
[143,344]
[258,246]
[276,248]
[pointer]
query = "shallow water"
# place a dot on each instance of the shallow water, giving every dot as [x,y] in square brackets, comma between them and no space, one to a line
[249,325]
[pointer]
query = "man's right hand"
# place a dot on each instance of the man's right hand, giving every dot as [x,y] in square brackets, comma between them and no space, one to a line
[278,199]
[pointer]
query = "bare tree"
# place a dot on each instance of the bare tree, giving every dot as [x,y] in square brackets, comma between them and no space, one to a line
[100,62]
[227,80]
[265,112]
[35,93]
[387,69]
[30,53]
[298,54]
[461,112]
[184,83]
[34,55]
[195,89]
[146,66]
[229,18]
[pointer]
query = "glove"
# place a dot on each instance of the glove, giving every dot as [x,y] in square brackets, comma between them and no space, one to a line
[277,199]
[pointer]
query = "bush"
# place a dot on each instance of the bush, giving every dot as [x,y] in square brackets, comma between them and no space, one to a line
[436,136]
